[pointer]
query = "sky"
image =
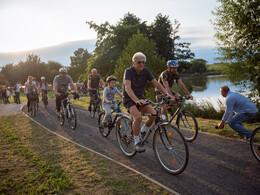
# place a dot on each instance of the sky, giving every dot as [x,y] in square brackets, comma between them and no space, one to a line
[30,24]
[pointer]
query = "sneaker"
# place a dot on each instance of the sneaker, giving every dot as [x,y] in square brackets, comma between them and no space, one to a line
[139,147]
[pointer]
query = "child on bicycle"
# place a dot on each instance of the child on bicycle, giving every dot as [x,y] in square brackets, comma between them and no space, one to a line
[108,97]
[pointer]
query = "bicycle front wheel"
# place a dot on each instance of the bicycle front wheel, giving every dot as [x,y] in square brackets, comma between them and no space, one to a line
[188,125]
[103,128]
[171,149]
[255,143]
[61,116]
[72,117]
[125,137]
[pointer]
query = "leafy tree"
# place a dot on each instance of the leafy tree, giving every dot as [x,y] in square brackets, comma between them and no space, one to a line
[165,35]
[111,40]
[3,80]
[237,26]
[198,65]
[139,43]
[79,63]
[53,70]
[181,50]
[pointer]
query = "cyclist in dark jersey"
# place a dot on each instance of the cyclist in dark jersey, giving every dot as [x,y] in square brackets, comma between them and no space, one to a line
[167,78]
[135,79]
[94,81]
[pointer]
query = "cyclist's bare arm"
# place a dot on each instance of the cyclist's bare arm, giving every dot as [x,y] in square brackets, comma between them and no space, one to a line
[158,85]
[181,84]
[102,83]
[131,94]
[120,94]
[55,88]
[89,84]
[105,98]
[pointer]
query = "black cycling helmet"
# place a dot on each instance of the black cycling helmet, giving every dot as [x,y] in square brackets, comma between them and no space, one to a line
[110,78]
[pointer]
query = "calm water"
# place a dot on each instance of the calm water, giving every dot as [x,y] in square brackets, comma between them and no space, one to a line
[207,87]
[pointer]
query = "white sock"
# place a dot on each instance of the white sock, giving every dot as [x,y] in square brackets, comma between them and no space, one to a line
[137,139]
[144,128]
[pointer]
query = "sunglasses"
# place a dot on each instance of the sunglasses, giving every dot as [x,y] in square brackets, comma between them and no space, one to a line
[141,62]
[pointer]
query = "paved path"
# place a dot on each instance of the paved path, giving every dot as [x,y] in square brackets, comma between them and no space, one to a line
[10,108]
[217,165]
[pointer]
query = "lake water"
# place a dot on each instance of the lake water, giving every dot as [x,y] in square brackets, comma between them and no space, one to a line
[208,87]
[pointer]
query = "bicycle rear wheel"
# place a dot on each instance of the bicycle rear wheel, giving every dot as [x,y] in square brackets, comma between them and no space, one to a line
[72,117]
[45,101]
[255,143]
[188,125]
[171,149]
[103,128]
[125,137]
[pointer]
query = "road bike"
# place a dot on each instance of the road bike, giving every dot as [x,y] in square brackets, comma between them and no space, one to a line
[169,145]
[105,128]
[185,121]
[96,106]
[45,98]
[33,103]
[67,111]
[255,143]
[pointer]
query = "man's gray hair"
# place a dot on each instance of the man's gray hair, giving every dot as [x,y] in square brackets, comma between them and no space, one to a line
[138,54]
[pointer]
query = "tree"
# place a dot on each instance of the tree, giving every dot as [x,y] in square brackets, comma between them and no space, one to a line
[111,40]
[79,63]
[198,66]
[165,35]
[180,50]
[237,26]
[139,43]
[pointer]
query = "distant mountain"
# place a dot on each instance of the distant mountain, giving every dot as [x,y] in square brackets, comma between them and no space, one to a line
[61,53]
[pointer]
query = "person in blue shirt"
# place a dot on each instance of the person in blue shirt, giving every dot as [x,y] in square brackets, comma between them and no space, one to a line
[239,109]
[108,97]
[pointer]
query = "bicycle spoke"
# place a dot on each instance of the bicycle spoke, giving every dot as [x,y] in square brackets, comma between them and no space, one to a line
[171,149]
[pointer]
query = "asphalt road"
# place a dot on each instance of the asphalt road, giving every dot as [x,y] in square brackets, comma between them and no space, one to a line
[217,165]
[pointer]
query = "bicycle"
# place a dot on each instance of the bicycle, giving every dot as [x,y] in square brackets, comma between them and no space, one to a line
[255,143]
[96,106]
[44,98]
[169,145]
[105,129]
[68,111]
[186,121]
[33,104]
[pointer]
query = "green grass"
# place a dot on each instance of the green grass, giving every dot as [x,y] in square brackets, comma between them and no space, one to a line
[35,161]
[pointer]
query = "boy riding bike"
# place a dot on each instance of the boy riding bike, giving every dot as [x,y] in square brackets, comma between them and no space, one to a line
[108,95]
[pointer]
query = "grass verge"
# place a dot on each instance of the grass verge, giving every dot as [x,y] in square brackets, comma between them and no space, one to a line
[35,161]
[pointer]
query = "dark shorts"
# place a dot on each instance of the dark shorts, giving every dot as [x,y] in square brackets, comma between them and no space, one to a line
[131,103]
[92,93]
[159,96]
